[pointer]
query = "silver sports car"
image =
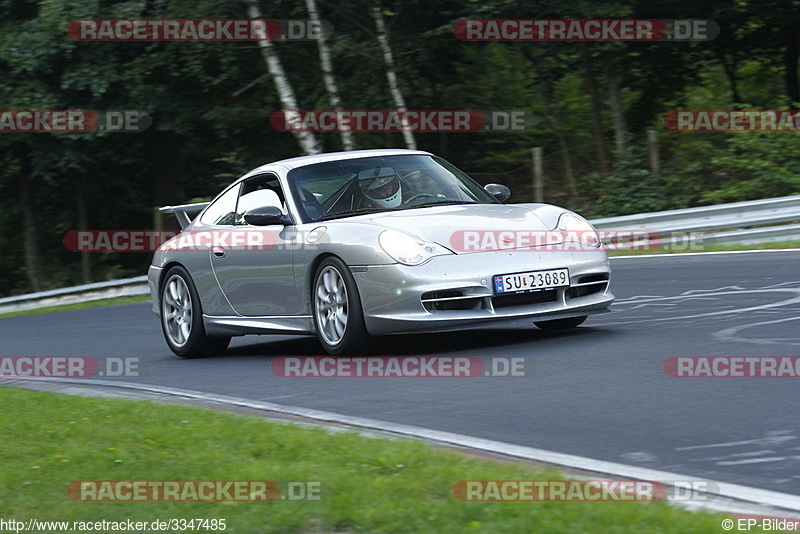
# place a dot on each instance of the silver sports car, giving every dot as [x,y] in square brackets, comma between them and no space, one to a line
[351,245]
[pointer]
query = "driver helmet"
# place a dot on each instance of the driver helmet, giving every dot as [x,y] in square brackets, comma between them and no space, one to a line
[381,188]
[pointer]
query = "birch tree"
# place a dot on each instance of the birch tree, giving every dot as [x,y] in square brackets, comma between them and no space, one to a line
[348,142]
[391,75]
[306,140]
[615,103]
[597,115]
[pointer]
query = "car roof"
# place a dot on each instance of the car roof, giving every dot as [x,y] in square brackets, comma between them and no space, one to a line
[293,163]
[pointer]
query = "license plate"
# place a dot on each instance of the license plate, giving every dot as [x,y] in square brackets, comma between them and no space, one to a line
[530,281]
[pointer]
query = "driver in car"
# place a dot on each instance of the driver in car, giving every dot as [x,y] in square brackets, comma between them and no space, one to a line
[385,188]
[384,191]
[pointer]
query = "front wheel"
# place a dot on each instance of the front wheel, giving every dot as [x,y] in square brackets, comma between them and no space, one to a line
[338,317]
[561,324]
[182,318]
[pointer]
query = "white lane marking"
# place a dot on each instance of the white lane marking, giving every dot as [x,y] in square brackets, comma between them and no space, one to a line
[684,254]
[730,334]
[775,437]
[781,284]
[758,460]
[685,297]
[691,294]
[639,456]
[738,455]
[737,492]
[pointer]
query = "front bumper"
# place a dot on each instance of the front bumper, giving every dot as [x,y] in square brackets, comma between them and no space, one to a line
[455,291]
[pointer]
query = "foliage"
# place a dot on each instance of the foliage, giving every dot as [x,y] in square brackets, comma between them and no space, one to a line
[211,103]
[758,165]
[630,188]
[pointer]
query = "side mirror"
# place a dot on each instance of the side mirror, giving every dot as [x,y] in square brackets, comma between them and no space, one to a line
[265,216]
[498,191]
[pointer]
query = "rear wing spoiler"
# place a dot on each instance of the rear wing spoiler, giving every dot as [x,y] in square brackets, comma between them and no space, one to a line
[181,211]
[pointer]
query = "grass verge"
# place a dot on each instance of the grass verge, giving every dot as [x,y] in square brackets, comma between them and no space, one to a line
[78,306]
[368,485]
[706,248]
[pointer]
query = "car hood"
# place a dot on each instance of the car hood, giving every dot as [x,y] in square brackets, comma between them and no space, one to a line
[469,228]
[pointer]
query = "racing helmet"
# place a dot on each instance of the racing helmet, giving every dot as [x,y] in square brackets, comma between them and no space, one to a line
[381,185]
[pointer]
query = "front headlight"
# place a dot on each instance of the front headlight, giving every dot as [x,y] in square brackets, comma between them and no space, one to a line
[408,250]
[576,228]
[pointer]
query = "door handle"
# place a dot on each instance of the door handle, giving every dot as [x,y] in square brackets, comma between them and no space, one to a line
[218,252]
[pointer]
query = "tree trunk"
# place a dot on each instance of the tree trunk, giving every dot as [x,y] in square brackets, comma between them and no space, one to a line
[83,225]
[566,160]
[391,75]
[790,58]
[166,167]
[34,268]
[652,148]
[348,143]
[538,175]
[306,140]
[597,117]
[615,104]
[729,66]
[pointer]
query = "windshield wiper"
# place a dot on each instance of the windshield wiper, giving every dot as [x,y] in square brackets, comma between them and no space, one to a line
[350,213]
[440,203]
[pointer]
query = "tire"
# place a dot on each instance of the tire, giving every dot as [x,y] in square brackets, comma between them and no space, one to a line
[561,324]
[336,308]
[182,318]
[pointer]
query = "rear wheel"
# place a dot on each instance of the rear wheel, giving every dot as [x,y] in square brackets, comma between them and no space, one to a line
[182,318]
[338,317]
[561,324]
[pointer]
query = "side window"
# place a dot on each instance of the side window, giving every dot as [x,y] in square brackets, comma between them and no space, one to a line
[223,210]
[264,190]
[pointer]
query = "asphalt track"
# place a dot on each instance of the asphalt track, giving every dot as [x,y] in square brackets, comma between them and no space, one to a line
[598,391]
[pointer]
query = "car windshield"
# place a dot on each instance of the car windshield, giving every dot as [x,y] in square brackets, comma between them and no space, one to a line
[350,187]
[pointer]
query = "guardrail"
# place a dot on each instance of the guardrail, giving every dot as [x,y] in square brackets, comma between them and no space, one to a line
[745,223]
[770,211]
[755,236]
[126,287]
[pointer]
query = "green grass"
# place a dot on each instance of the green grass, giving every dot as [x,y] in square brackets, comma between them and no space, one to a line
[78,306]
[707,248]
[368,485]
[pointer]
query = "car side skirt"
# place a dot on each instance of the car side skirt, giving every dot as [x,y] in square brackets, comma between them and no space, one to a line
[240,326]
